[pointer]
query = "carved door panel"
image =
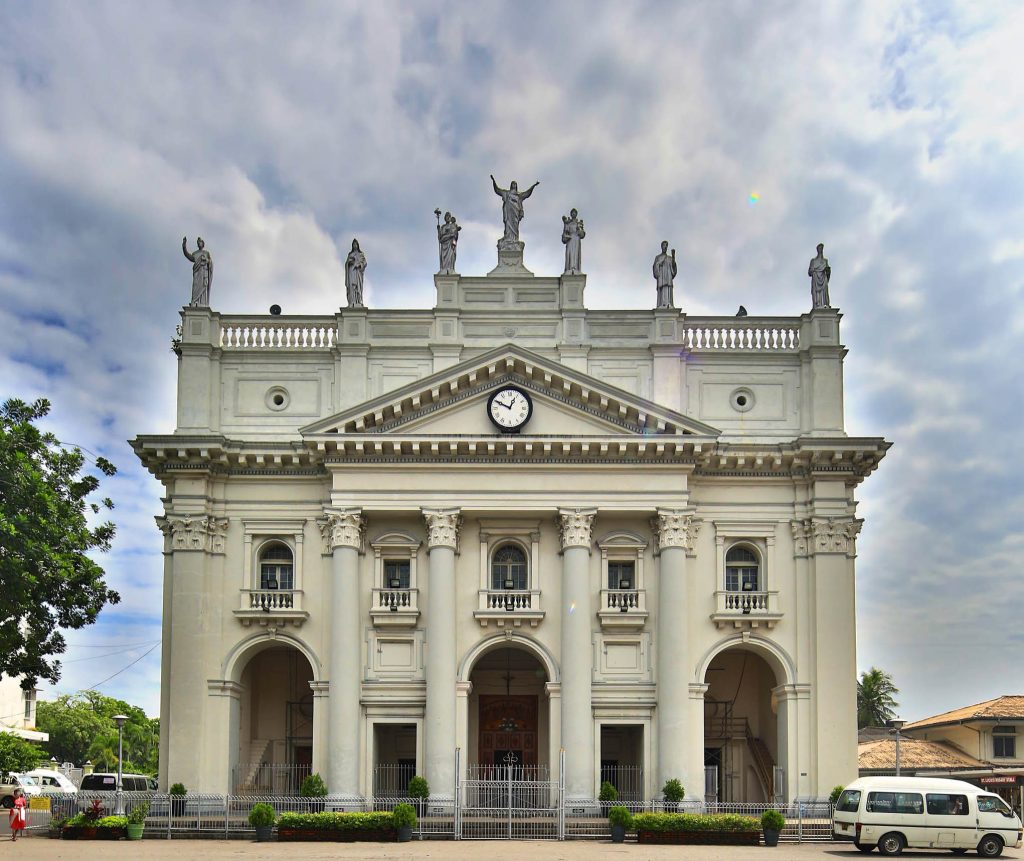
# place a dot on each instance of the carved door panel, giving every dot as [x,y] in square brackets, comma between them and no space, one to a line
[508,724]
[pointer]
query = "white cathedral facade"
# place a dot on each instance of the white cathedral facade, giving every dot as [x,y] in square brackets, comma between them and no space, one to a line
[510,525]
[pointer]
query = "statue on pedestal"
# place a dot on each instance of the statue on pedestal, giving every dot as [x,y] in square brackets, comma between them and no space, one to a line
[202,272]
[448,240]
[355,266]
[820,273]
[572,236]
[512,207]
[664,272]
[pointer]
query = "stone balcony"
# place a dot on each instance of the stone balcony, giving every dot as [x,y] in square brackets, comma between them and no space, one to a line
[746,609]
[509,607]
[622,608]
[276,607]
[395,608]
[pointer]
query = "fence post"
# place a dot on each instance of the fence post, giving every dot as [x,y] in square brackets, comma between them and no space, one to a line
[561,794]
[799,822]
[457,811]
[227,814]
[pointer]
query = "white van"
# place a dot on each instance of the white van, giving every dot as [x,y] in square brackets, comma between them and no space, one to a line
[894,813]
[52,782]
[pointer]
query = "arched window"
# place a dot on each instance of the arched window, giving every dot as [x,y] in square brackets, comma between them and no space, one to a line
[276,569]
[742,570]
[508,568]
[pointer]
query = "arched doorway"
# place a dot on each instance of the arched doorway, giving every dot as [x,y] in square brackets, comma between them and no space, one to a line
[509,714]
[274,750]
[743,732]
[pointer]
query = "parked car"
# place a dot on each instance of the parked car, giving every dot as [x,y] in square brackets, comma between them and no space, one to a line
[101,781]
[52,782]
[10,782]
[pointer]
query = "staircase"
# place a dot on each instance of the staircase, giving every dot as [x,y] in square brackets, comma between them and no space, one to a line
[764,765]
[249,765]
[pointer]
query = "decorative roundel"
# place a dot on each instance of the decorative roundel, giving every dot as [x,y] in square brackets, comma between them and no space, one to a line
[509,408]
[742,400]
[277,398]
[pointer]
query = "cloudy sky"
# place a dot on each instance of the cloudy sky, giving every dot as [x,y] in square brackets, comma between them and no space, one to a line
[743,132]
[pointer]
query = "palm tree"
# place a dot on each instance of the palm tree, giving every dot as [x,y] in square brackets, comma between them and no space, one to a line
[876,701]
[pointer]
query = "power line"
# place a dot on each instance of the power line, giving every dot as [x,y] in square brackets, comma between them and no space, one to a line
[129,666]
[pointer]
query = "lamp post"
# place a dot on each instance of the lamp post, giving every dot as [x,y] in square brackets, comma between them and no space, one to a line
[895,725]
[119,720]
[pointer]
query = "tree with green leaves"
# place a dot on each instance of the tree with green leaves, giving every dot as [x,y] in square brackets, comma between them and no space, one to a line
[47,579]
[17,754]
[81,727]
[876,698]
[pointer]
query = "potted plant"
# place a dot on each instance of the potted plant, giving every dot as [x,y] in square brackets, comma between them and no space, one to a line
[772,823]
[177,793]
[57,824]
[137,820]
[606,795]
[262,817]
[420,790]
[313,786]
[621,821]
[673,792]
[405,820]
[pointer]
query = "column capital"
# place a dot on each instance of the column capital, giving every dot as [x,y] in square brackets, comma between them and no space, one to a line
[697,690]
[342,528]
[553,690]
[443,526]
[676,527]
[463,689]
[201,532]
[783,693]
[575,525]
[224,688]
[819,535]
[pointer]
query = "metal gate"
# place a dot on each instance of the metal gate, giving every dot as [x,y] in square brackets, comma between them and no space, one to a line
[511,802]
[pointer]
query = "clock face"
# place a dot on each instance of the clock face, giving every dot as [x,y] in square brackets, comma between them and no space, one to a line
[509,408]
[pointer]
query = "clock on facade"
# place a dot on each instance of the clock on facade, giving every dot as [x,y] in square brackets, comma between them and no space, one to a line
[509,408]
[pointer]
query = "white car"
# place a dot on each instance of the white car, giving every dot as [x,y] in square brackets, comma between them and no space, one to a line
[52,782]
[10,782]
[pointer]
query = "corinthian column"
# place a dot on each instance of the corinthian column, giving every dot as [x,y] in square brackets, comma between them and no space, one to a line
[344,531]
[577,653]
[439,725]
[676,530]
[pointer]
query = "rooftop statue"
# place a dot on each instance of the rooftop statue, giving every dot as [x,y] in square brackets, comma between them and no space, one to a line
[448,240]
[664,273]
[820,273]
[355,266]
[512,207]
[202,272]
[572,236]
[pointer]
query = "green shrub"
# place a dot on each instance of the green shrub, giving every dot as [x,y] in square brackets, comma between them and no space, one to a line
[313,786]
[419,788]
[111,823]
[608,792]
[772,820]
[675,822]
[177,789]
[378,820]
[833,796]
[403,816]
[673,790]
[619,815]
[137,815]
[261,815]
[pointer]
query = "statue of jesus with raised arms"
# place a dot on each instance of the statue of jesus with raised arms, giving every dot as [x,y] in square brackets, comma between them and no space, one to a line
[512,207]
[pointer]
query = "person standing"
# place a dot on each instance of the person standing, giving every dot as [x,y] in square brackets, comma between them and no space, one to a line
[18,816]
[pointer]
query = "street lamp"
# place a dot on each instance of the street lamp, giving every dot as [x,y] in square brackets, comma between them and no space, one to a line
[895,725]
[119,720]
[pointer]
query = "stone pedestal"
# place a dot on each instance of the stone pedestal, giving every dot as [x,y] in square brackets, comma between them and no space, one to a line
[510,259]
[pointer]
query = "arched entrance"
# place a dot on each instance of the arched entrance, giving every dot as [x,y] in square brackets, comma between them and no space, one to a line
[743,731]
[274,749]
[509,719]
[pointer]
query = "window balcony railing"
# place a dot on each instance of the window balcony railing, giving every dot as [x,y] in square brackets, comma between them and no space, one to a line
[271,607]
[746,609]
[509,607]
[395,607]
[623,608]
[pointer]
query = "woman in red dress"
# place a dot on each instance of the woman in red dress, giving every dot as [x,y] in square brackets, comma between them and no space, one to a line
[18,815]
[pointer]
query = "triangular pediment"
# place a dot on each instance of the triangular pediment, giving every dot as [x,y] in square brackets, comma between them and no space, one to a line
[453,402]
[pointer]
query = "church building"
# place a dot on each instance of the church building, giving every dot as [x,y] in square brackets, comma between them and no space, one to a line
[615,543]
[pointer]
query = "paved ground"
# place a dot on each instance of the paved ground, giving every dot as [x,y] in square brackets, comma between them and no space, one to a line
[576,850]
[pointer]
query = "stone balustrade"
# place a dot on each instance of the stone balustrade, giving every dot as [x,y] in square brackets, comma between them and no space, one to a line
[746,609]
[770,334]
[622,608]
[511,606]
[271,607]
[394,607]
[277,333]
